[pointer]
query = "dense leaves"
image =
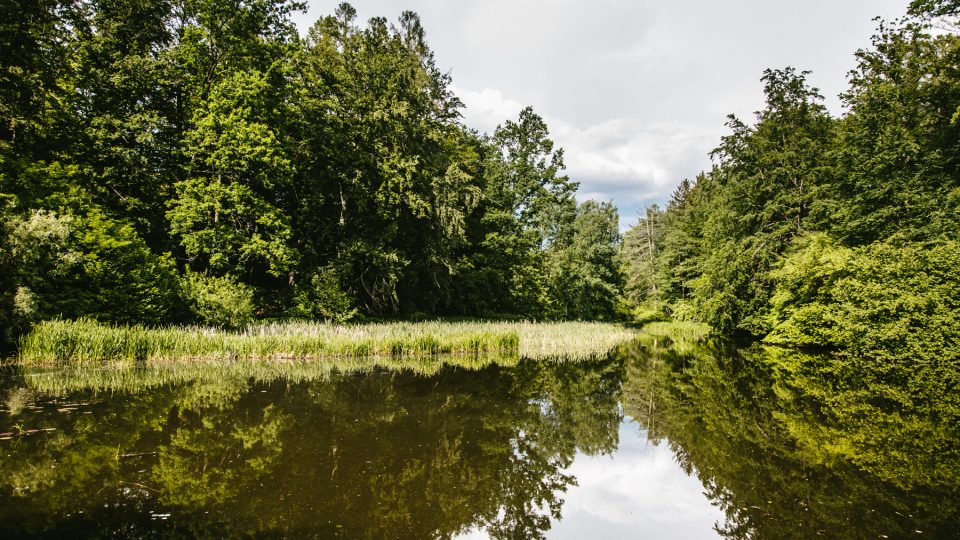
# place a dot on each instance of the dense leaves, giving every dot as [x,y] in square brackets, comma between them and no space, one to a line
[828,232]
[161,160]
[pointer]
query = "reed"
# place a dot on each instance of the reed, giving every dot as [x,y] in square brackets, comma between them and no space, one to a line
[88,342]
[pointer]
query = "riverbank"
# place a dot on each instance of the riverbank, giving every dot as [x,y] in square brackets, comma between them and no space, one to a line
[86,341]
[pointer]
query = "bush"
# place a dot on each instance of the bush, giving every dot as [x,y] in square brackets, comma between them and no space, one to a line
[218,301]
[321,297]
[120,279]
[682,311]
[647,313]
[84,264]
[883,301]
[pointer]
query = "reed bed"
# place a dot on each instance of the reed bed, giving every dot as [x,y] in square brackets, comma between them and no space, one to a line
[87,342]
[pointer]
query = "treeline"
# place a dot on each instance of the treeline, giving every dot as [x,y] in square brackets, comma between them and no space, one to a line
[198,160]
[821,231]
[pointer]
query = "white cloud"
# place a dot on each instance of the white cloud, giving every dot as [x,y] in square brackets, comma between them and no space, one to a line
[636,92]
[487,108]
[620,159]
[640,488]
[638,491]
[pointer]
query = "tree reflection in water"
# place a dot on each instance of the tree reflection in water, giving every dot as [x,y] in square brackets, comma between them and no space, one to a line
[788,445]
[366,454]
[794,445]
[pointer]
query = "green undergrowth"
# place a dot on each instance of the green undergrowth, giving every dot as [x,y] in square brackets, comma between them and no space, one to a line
[84,341]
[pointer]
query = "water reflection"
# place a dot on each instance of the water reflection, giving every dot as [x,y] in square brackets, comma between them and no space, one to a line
[794,445]
[385,454]
[640,491]
[661,439]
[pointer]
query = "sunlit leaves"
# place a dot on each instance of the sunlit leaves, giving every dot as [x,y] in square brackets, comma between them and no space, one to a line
[229,228]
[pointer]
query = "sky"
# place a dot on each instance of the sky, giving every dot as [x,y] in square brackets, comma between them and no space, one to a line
[637,92]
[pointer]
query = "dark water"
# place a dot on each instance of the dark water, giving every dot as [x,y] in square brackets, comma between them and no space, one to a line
[657,440]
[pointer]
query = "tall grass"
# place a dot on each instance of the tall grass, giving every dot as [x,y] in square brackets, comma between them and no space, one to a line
[84,342]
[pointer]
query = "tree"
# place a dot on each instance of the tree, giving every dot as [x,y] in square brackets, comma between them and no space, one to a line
[531,186]
[585,280]
[640,256]
[222,213]
[292,176]
[762,191]
[387,181]
[897,149]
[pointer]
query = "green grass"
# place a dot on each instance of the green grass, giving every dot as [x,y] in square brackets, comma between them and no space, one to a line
[87,342]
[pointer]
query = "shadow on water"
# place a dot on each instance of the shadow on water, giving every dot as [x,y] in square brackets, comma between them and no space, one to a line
[787,445]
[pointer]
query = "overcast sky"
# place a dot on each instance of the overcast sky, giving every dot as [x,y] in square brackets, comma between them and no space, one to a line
[635,91]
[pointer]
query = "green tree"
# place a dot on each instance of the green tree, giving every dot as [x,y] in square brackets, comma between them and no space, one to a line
[640,255]
[527,207]
[899,175]
[762,193]
[208,134]
[585,276]
[387,180]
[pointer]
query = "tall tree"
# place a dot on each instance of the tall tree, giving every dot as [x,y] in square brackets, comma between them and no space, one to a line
[387,178]
[899,146]
[764,187]
[585,273]
[640,256]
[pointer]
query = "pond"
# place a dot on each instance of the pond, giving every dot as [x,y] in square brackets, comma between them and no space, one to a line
[658,439]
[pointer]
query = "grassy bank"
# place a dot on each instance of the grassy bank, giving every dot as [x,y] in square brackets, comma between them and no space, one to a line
[88,342]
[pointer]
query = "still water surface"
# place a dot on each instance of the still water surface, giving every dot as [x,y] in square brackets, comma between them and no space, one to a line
[656,440]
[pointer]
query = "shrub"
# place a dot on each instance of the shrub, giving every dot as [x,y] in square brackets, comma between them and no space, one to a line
[883,301]
[218,301]
[87,264]
[320,297]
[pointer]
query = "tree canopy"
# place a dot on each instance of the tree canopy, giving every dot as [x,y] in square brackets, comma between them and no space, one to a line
[836,232]
[195,157]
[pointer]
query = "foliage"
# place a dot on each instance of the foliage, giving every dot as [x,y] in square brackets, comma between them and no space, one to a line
[218,301]
[85,265]
[585,277]
[640,254]
[524,223]
[898,145]
[762,193]
[883,301]
[828,232]
[228,228]
[211,134]
[322,298]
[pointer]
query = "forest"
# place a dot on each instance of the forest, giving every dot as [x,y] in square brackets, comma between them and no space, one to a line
[200,161]
[836,233]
